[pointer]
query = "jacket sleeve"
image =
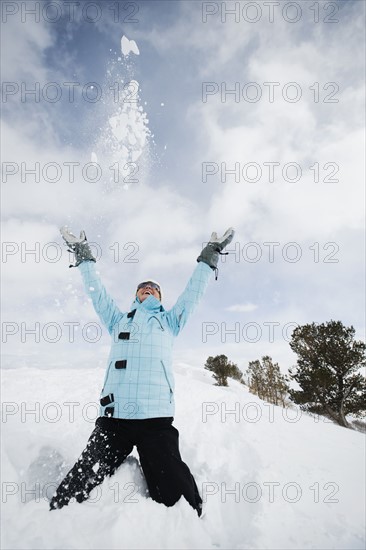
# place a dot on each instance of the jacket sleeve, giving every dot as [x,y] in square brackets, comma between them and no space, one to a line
[103,304]
[188,301]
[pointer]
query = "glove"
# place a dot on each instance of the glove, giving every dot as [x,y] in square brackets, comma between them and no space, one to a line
[79,246]
[210,254]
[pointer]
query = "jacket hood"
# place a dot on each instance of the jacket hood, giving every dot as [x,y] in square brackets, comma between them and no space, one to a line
[149,304]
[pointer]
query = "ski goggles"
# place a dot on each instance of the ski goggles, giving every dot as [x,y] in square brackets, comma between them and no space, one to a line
[150,284]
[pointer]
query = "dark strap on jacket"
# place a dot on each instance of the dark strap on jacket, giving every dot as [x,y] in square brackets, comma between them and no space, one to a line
[109,411]
[107,399]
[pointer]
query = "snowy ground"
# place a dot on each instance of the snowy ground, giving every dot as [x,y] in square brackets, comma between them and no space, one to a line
[268,481]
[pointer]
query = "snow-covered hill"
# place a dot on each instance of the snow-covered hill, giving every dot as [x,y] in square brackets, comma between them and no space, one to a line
[270,479]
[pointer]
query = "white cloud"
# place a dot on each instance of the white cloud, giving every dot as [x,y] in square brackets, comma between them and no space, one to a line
[23,58]
[242,308]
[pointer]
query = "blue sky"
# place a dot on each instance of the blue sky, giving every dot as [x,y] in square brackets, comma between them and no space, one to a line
[172,210]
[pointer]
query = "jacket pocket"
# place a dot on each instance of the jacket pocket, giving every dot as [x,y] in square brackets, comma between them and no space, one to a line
[106,375]
[167,379]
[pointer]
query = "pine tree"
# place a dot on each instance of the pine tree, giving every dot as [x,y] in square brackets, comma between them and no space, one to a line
[327,371]
[235,373]
[222,368]
[255,375]
[267,381]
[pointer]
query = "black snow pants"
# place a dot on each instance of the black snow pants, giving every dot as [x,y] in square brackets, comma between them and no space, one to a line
[112,440]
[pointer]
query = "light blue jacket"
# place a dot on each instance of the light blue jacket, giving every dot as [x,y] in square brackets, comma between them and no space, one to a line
[139,382]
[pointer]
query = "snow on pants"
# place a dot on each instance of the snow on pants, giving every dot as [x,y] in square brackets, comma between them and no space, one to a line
[112,440]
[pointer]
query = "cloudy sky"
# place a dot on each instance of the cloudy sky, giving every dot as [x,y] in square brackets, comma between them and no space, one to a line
[243,114]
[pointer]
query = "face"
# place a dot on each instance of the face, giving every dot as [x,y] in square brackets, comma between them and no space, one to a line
[147,291]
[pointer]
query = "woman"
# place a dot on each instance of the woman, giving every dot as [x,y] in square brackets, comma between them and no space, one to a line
[137,398]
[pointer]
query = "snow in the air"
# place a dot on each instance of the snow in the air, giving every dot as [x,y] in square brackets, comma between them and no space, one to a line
[128,46]
[123,140]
